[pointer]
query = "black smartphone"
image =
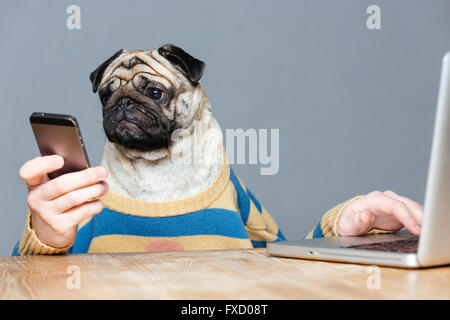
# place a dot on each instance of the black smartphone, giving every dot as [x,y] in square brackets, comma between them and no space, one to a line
[60,134]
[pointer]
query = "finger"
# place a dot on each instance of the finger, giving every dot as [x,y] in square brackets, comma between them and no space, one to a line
[71,181]
[79,196]
[34,172]
[75,215]
[362,222]
[415,207]
[398,209]
[374,193]
[355,223]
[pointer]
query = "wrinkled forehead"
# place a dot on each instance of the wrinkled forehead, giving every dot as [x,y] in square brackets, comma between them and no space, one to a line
[149,63]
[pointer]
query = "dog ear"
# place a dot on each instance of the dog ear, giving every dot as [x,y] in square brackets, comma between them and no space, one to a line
[97,74]
[192,68]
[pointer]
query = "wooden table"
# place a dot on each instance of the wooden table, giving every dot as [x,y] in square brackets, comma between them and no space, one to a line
[221,274]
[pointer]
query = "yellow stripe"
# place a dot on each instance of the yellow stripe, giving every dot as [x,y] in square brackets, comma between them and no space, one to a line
[257,220]
[124,243]
[310,235]
[260,235]
[227,200]
[272,226]
[200,201]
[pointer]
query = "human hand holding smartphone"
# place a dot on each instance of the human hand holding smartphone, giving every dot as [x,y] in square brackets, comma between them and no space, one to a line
[61,184]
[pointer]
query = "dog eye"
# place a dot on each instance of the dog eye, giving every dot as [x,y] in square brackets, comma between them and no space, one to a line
[155,93]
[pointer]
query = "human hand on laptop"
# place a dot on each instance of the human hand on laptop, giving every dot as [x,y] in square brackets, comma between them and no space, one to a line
[380,210]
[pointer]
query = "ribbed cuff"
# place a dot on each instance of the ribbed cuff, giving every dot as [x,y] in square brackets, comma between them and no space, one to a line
[30,244]
[379,231]
[329,220]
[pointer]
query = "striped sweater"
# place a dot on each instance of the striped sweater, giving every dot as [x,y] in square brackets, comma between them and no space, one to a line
[226,215]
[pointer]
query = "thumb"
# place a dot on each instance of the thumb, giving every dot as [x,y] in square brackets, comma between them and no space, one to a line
[34,172]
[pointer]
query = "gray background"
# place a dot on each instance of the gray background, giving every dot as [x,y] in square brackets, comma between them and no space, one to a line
[355,107]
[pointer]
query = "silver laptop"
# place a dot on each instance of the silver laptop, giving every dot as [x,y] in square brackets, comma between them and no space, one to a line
[400,249]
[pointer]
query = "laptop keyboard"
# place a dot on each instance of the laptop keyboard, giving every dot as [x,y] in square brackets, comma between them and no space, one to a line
[404,246]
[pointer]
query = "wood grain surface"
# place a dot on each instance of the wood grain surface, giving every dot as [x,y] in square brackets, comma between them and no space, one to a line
[221,274]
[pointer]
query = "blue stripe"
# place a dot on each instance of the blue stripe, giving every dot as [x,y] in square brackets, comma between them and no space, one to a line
[204,222]
[83,238]
[255,201]
[259,244]
[242,197]
[263,244]
[280,236]
[317,232]
[15,251]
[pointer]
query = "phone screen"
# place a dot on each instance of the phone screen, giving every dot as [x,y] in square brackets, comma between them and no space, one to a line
[59,134]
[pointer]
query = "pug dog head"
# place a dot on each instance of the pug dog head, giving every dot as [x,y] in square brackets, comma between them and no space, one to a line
[146,95]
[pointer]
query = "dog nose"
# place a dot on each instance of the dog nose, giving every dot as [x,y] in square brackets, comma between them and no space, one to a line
[123,108]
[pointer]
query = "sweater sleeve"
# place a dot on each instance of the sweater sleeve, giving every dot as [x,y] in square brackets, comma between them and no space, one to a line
[260,226]
[327,225]
[29,243]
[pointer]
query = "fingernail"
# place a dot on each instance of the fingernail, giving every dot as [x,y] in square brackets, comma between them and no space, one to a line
[101,172]
[58,160]
[418,228]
